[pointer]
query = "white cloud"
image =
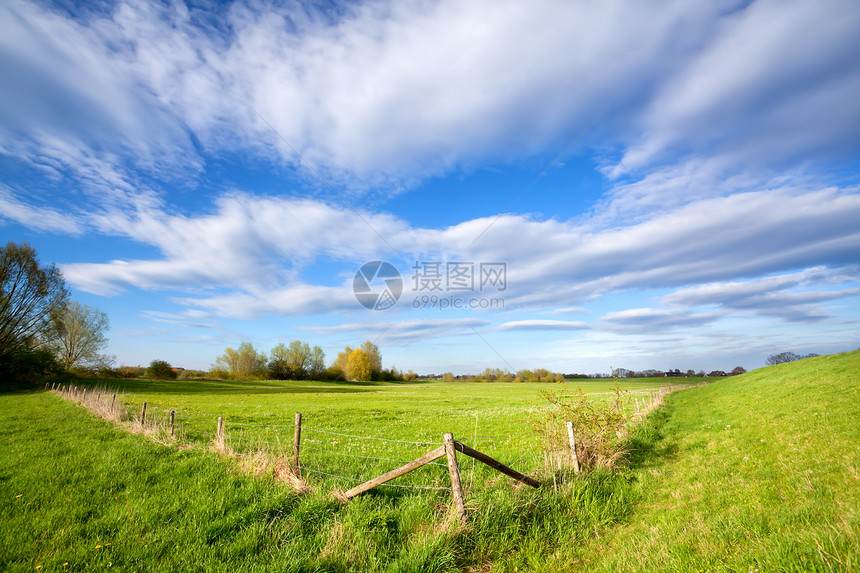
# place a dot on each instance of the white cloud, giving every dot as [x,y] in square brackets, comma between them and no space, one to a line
[256,254]
[543,325]
[390,91]
[39,218]
[645,320]
[407,331]
[771,296]
[776,84]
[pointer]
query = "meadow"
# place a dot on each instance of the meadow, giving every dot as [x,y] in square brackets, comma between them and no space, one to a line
[353,432]
[754,471]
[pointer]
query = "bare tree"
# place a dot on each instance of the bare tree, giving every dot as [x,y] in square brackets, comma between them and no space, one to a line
[81,336]
[784,357]
[30,296]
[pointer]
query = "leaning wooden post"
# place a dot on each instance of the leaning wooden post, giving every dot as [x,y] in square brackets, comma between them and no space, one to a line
[113,402]
[172,422]
[454,472]
[143,414]
[297,438]
[572,440]
[220,435]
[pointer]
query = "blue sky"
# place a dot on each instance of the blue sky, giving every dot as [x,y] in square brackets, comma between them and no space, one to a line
[668,184]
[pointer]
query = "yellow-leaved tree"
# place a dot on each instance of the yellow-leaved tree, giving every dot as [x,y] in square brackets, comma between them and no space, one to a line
[358,366]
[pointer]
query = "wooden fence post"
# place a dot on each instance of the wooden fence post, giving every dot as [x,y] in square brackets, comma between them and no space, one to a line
[143,414]
[172,421]
[636,400]
[572,440]
[220,435]
[112,402]
[454,472]
[297,439]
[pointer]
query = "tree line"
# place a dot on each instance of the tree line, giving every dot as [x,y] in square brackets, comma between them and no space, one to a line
[299,361]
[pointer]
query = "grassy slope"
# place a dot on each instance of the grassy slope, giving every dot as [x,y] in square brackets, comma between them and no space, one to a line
[755,473]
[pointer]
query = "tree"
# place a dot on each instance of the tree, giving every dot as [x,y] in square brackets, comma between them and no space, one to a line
[358,366]
[298,361]
[161,370]
[738,370]
[30,297]
[784,357]
[245,362]
[278,362]
[317,365]
[448,377]
[374,356]
[781,358]
[81,336]
[340,363]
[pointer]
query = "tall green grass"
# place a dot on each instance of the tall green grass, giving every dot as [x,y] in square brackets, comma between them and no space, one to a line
[759,472]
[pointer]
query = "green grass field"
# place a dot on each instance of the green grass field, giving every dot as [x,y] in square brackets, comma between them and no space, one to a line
[756,471]
[356,431]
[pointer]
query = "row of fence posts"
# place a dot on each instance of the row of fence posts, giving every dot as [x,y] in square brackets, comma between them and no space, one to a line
[81,393]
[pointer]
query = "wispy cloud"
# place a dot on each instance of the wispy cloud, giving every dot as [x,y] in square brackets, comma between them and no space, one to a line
[543,325]
[39,218]
[260,264]
[644,320]
[771,296]
[407,331]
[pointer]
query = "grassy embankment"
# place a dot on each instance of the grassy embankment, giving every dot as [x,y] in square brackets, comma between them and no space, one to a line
[754,471]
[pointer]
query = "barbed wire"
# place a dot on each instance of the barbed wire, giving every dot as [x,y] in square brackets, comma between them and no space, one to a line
[369,437]
[249,425]
[354,479]
[368,457]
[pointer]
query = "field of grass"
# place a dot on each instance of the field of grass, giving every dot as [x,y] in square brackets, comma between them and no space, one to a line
[356,431]
[756,471]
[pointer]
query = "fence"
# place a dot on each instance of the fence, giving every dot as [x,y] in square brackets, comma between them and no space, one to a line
[328,458]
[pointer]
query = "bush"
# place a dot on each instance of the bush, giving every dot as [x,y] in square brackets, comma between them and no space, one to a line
[599,429]
[131,371]
[31,368]
[160,370]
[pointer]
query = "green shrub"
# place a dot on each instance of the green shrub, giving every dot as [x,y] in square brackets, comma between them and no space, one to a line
[160,370]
